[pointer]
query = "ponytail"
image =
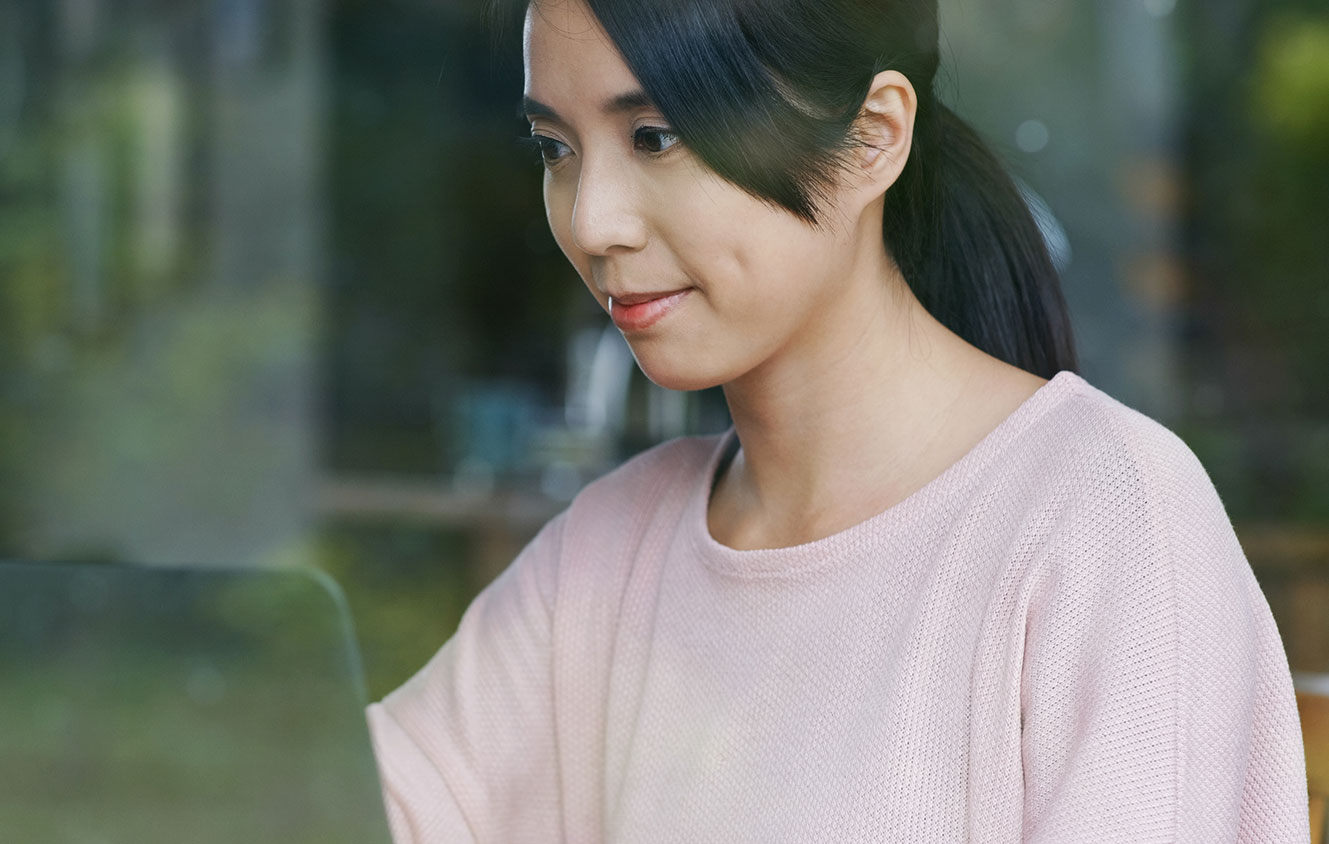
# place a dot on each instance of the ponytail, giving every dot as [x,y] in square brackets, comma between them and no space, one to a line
[970,249]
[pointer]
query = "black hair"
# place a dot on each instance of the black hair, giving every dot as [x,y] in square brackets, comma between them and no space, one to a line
[767,94]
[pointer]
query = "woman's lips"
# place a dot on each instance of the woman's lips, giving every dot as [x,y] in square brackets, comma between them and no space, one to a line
[641,315]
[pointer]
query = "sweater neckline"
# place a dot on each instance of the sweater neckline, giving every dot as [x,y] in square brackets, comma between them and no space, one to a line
[872,532]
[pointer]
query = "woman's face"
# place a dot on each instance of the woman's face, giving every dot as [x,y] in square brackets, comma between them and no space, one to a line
[706,282]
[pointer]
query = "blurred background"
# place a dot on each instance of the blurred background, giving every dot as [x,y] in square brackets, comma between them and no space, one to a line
[276,286]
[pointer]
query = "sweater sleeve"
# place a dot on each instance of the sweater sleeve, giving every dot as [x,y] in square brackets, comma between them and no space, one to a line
[1156,699]
[465,748]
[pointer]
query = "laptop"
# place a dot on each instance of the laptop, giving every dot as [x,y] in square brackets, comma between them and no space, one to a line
[166,705]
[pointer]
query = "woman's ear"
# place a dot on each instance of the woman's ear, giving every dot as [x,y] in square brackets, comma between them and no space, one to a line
[885,128]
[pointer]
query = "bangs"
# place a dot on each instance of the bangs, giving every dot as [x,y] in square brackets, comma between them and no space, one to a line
[698,62]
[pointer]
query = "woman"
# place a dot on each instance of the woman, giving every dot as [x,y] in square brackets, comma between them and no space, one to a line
[932,586]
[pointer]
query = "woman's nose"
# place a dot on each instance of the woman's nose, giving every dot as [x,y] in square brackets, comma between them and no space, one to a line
[605,215]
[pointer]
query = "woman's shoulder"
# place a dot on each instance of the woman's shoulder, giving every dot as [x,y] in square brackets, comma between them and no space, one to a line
[662,476]
[1126,483]
[1097,443]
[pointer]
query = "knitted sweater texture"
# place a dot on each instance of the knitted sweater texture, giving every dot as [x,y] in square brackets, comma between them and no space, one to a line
[1058,639]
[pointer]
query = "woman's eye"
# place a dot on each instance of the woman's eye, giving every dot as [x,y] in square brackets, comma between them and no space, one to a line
[551,152]
[650,139]
[654,139]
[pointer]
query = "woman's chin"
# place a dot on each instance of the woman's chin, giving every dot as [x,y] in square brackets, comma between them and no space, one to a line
[679,374]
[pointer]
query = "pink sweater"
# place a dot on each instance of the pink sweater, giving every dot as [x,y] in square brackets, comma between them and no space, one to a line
[1056,640]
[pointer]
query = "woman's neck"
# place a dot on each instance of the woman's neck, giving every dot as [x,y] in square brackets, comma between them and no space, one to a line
[884,402]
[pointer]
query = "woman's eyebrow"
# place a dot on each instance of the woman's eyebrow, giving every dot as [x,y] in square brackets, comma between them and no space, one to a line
[627,101]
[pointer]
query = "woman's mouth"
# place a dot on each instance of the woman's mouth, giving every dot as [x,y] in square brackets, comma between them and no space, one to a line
[639,311]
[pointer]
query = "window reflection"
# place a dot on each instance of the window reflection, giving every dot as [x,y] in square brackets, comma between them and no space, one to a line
[276,287]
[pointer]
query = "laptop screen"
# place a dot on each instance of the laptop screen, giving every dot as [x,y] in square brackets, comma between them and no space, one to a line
[202,705]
